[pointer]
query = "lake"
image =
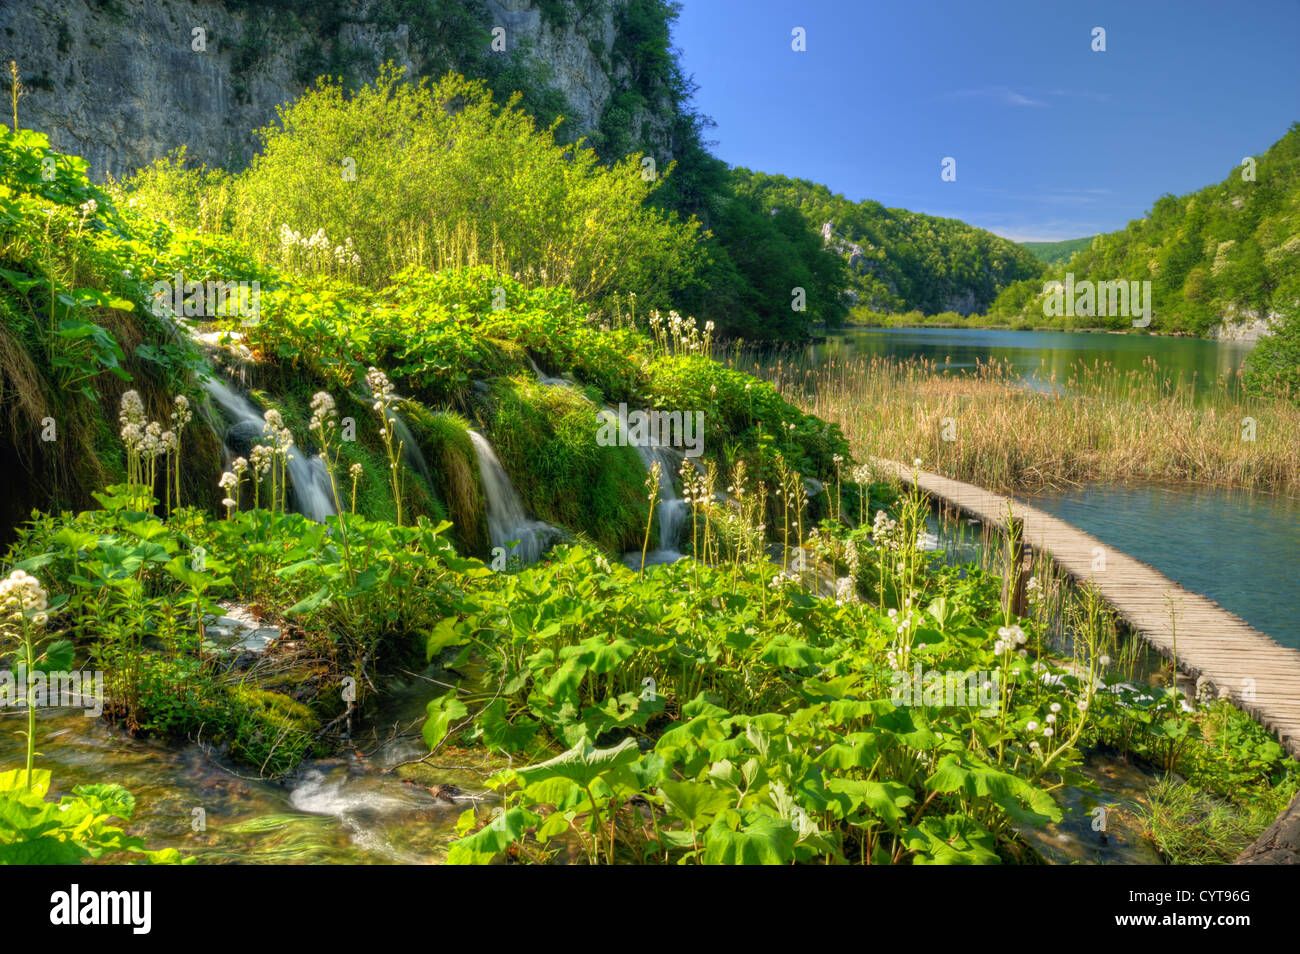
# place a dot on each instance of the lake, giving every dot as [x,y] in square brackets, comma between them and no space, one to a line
[1241,550]
[1037,355]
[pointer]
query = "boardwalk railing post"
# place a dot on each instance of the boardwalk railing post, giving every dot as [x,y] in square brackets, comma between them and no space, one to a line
[1015,580]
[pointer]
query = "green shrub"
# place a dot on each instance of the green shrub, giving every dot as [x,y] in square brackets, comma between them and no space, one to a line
[445,176]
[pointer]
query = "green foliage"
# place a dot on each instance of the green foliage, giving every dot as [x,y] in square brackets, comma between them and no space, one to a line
[1224,250]
[746,412]
[1274,365]
[546,438]
[1192,827]
[444,175]
[1052,253]
[731,724]
[757,259]
[135,598]
[76,827]
[76,322]
[445,443]
[906,260]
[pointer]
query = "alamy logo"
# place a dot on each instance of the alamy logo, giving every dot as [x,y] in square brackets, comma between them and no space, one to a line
[74,907]
[208,299]
[652,428]
[946,688]
[52,690]
[1098,299]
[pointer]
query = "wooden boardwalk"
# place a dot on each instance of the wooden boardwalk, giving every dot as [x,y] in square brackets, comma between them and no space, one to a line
[1262,677]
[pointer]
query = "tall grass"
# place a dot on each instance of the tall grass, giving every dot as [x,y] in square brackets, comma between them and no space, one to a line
[1101,424]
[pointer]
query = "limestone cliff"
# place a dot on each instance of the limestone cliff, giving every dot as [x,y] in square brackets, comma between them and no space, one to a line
[123,82]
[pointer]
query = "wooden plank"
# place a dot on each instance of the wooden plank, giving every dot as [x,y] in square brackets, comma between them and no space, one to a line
[1262,676]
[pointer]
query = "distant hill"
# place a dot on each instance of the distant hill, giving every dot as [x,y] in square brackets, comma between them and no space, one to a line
[1051,253]
[1229,249]
[899,260]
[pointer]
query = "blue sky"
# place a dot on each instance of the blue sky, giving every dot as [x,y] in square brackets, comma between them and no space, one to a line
[1052,140]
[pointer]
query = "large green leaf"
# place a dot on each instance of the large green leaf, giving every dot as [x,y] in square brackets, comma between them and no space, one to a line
[486,844]
[584,763]
[761,839]
[694,802]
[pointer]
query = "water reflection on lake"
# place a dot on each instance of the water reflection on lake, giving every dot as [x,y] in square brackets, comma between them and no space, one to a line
[1038,355]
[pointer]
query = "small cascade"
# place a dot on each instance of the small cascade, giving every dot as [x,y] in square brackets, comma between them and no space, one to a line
[309,478]
[671,510]
[507,519]
[546,379]
[411,452]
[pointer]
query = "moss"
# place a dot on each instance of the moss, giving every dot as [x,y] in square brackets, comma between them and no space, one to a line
[546,440]
[374,491]
[444,440]
[270,730]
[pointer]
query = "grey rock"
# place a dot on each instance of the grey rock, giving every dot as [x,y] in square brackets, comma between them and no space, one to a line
[1280,842]
[241,437]
[120,84]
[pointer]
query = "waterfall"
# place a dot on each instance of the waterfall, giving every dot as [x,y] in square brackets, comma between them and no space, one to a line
[505,511]
[411,452]
[309,477]
[671,510]
[546,380]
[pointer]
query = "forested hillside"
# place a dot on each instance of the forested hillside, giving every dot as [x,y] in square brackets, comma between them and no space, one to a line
[899,260]
[1227,251]
[1051,253]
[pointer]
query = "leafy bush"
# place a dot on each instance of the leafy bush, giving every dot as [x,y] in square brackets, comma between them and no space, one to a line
[37,831]
[445,176]
[742,411]
[739,720]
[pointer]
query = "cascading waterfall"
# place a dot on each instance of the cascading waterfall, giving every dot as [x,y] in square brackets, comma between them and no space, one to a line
[671,509]
[411,452]
[309,477]
[546,379]
[506,517]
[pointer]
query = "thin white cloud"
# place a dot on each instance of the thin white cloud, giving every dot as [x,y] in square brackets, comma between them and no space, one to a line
[1002,94]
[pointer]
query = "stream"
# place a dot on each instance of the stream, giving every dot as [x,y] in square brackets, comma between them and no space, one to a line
[343,810]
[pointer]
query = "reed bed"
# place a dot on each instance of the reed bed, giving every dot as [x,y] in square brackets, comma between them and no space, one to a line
[1101,424]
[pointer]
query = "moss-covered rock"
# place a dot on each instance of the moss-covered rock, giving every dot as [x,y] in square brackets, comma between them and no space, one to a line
[453,468]
[546,440]
[269,729]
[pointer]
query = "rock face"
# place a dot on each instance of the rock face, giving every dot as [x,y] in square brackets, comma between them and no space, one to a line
[1280,843]
[122,82]
[1247,326]
[859,262]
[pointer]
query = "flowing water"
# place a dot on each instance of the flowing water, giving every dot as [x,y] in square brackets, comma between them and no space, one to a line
[671,509]
[346,810]
[507,519]
[308,476]
[546,379]
[411,453]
